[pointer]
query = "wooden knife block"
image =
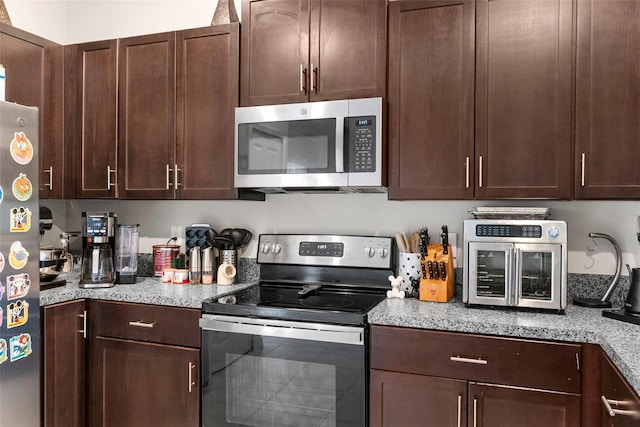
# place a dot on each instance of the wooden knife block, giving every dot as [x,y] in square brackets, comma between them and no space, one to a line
[437,289]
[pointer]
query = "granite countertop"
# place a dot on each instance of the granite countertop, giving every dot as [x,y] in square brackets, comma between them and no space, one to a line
[148,290]
[620,340]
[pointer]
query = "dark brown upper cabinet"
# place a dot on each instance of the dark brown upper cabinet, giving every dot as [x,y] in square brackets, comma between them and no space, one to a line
[523,99]
[497,129]
[607,143]
[207,93]
[146,112]
[91,125]
[431,72]
[177,94]
[34,78]
[312,50]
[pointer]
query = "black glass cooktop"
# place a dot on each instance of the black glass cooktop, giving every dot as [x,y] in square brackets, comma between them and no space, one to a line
[340,305]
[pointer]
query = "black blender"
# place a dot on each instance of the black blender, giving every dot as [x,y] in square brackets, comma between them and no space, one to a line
[98,245]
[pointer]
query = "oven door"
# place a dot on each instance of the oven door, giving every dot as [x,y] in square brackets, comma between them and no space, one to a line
[295,145]
[258,372]
[490,273]
[538,276]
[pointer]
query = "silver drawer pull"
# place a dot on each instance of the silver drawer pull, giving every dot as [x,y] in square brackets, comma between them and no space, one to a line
[468,360]
[142,324]
[191,382]
[613,412]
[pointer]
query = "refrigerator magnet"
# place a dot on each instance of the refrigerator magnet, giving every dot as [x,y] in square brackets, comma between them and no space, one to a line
[18,286]
[20,218]
[18,255]
[17,314]
[3,349]
[22,188]
[21,148]
[20,346]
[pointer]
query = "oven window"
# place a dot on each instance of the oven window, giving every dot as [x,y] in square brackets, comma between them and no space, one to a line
[301,146]
[492,273]
[537,271]
[252,380]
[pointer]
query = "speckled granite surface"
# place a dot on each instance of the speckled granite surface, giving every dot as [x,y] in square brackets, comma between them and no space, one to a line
[620,340]
[148,290]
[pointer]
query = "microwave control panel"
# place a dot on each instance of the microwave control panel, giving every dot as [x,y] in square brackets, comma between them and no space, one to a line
[361,137]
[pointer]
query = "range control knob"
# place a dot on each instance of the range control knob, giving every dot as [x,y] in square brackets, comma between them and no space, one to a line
[266,248]
[554,232]
[369,252]
[383,252]
[277,248]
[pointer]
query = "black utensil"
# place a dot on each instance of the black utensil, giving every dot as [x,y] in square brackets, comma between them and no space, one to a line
[424,242]
[443,270]
[430,266]
[436,270]
[224,243]
[247,235]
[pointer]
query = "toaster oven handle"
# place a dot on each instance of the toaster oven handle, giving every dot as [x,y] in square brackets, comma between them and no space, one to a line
[340,142]
[516,277]
[510,276]
[283,329]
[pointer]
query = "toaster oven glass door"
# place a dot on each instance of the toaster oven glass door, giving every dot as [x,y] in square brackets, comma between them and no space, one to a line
[490,273]
[538,275]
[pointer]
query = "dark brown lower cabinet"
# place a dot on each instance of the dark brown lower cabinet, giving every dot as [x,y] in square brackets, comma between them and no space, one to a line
[64,368]
[137,383]
[433,378]
[398,399]
[495,405]
[619,403]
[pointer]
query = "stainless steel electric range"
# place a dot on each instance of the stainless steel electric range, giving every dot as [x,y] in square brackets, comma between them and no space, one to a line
[293,351]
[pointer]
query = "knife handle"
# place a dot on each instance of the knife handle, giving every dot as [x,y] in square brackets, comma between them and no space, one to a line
[430,265]
[436,270]
[443,270]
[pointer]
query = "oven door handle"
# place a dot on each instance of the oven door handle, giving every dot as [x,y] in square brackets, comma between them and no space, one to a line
[283,329]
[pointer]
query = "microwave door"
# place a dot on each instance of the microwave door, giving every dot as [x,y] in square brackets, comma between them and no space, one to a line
[490,273]
[538,270]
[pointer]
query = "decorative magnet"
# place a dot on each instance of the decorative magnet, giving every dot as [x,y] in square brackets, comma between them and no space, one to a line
[18,286]
[17,313]
[1,262]
[20,346]
[22,188]
[18,255]
[20,218]
[21,148]
[3,351]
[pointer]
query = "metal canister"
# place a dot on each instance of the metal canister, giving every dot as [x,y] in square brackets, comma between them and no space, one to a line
[195,267]
[208,266]
[162,256]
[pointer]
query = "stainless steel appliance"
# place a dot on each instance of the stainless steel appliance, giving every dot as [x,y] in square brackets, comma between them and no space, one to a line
[294,350]
[631,311]
[330,145]
[515,263]
[98,245]
[19,267]
[126,261]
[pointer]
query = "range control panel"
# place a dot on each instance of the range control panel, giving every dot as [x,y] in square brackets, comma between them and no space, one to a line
[326,250]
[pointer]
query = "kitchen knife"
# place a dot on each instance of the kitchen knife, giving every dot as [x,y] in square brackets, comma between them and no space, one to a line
[430,265]
[443,270]
[424,241]
[436,270]
[445,239]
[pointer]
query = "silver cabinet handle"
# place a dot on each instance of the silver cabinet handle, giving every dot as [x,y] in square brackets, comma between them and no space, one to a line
[191,382]
[83,331]
[459,411]
[613,412]
[477,361]
[475,412]
[109,182]
[583,158]
[480,171]
[142,324]
[169,170]
[302,78]
[176,183]
[314,78]
[466,176]
[50,172]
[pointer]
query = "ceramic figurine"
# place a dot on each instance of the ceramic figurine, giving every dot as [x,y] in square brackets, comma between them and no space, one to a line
[395,291]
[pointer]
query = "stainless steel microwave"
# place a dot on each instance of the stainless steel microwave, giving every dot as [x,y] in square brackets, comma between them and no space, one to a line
[329,145]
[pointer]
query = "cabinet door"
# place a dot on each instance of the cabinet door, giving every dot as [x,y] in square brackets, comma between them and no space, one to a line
[274,52]
[523,98]
[622,400]
[347,49]
[134,383]
[91,118]
[400,400]
[34,78]
[493,405]
[146,117]
[431,54]
[64,364]
[607,100]
[207,93]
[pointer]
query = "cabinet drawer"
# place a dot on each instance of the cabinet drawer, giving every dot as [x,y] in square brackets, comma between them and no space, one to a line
[622,400]
[533,364]
[160,324]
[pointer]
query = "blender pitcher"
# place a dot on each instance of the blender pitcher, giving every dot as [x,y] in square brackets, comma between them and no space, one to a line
[127,253]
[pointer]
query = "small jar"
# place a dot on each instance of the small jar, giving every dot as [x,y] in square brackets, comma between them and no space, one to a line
[180,277]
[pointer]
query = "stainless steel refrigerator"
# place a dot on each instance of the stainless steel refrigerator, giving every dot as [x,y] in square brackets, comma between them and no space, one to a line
[19,267]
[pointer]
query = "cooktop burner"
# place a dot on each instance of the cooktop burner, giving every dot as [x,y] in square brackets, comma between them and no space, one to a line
[335,305]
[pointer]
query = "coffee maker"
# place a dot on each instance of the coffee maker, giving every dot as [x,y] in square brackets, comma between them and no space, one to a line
[98,245]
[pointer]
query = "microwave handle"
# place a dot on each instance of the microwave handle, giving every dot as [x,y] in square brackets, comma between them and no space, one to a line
[509,279]
[340,142]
